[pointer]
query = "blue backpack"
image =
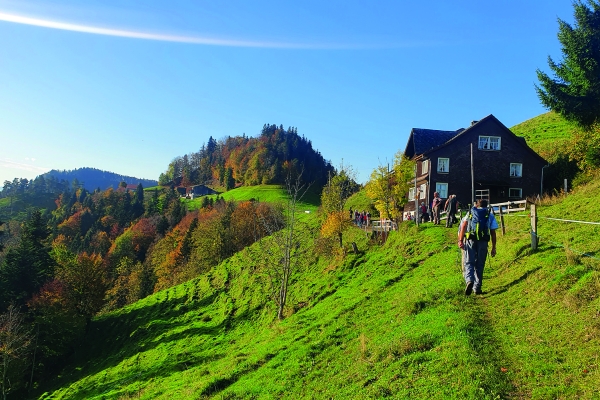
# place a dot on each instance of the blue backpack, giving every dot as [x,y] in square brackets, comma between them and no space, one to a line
[478,224]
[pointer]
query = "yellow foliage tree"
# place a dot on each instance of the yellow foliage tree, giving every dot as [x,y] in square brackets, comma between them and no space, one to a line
[388,187]
[335,224]
[333,199]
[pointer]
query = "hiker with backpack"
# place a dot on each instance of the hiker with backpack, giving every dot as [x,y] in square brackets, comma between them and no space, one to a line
[475,231]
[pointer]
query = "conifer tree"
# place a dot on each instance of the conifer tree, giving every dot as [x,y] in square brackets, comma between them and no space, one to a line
[574,92]
[1,237]
[28,266]
[154,204]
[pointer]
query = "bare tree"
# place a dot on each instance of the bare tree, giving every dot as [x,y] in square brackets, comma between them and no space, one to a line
[283,251]
[14,343]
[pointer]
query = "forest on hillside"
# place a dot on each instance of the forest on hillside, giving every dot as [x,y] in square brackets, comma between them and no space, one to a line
[243,160]
[93,178]
[68,253]
[97,251]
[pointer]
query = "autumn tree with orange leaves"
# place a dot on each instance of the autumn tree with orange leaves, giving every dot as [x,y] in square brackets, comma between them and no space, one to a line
[333,199]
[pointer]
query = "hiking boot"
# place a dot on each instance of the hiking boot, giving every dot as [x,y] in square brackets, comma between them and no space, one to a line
[479,291]
[469,288]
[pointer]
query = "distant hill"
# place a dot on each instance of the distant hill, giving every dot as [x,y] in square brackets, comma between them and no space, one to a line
[92,178]
[248,161]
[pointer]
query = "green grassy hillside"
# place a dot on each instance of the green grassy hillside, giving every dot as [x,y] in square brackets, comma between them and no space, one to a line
[391,322]
[264,193]
[547,134]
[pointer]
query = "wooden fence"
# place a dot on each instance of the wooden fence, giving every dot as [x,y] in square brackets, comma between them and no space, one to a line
[383,225]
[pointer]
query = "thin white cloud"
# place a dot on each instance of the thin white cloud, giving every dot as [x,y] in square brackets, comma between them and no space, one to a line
[46,23]
[6,163]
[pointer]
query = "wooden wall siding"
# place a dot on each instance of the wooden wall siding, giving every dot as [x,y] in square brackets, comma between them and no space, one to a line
[492,168]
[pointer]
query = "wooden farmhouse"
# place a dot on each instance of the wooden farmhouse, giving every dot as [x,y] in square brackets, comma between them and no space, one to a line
[504,167]
[199,190]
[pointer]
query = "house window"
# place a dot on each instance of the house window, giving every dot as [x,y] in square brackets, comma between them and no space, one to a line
[424,167]
[411,194]
[489,143]
[443,165]
[515,192]
[442,189]
[422,191]
[516,170]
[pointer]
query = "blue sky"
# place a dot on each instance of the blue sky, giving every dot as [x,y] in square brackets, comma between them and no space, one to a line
[126,86]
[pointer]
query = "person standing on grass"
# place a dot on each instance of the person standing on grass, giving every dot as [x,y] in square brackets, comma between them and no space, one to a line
[436,205]
[424,217]
[450,209]
[475,231]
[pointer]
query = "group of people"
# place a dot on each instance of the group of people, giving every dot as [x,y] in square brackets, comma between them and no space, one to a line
[361,219]
[475,230]
[450,207]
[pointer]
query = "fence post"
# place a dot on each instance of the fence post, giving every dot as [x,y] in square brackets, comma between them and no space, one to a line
[502,220]
[534,237]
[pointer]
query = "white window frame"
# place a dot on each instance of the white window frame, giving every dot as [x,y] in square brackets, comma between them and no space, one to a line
[443,162]
[411,194]
[424,167]
[442,189]
[490,143]
[422,191]
[516,170]
[512,195]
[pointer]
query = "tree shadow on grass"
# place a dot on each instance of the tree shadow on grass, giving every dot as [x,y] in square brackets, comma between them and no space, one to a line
[136,379]
[117,337]
[504,288]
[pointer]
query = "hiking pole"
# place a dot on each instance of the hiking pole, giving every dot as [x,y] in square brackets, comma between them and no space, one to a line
[460,257]
[457,257]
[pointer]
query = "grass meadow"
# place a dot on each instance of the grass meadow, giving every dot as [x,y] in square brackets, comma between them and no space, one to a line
[389,322]
[265,193]
[548,134]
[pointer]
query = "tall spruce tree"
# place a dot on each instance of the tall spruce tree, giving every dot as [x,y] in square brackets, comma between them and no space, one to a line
[28,266]
[574,92]
[1,237]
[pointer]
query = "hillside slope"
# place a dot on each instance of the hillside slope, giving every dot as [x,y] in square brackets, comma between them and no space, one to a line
[547,134]
[560,143]
[262,193]
[390,322]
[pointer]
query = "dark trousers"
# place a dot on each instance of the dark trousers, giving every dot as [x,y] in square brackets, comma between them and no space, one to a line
[450,219]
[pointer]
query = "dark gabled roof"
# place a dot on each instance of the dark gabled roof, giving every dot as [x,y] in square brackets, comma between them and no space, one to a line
[474,124]
[423,140]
